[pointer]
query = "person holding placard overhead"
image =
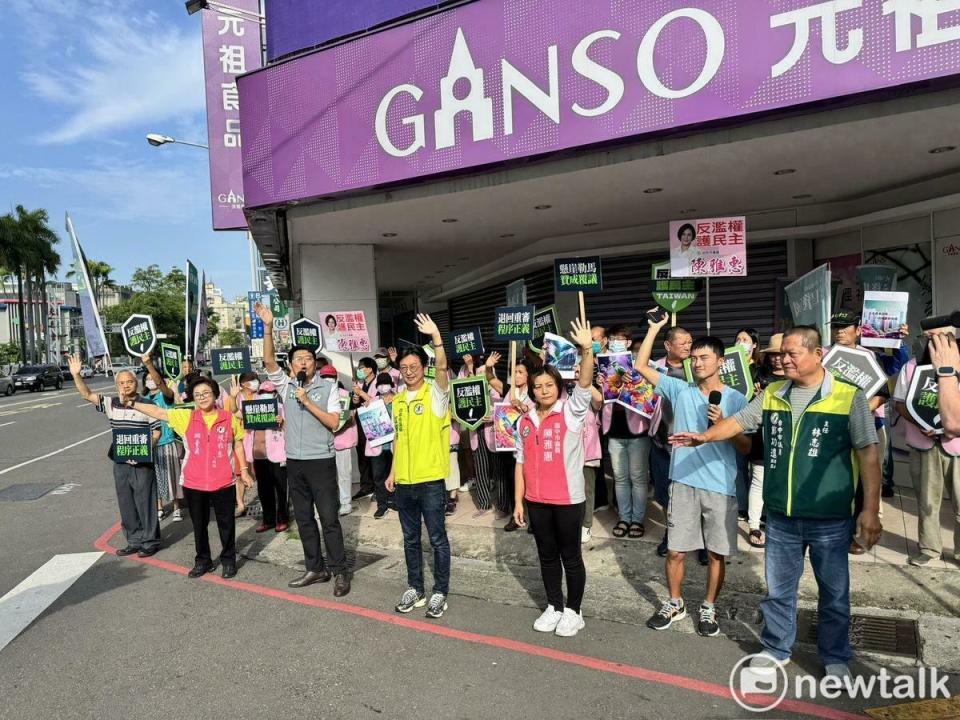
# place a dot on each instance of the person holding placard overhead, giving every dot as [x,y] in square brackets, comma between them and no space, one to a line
[169,450]
[311,416]
[421,460]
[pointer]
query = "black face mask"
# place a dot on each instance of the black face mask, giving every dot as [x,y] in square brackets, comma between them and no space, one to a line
[925,356]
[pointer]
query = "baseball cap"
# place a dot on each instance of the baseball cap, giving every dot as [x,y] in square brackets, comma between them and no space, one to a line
[328,371]
[844,318]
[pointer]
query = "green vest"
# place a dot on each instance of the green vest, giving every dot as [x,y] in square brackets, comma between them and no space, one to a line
[421,445]
[811,470]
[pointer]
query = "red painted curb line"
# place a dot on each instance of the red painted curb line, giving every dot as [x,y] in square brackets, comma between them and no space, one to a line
[103,544]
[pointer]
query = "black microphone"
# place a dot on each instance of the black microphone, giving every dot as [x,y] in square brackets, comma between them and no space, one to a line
[938,321]
[715,398]
[302,379]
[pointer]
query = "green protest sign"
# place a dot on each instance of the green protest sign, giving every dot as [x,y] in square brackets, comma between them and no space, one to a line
[544,321]
[260,414]
[672,294]
[810,299]
[230,361]
[306,333]
[514,323]
[856,366]
[171,359]
[139,337]
[130,444]
[734,372]
[923,399]
[578,274]
[470,401]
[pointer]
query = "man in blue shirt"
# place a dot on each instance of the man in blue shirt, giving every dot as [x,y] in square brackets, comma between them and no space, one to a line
[702,512]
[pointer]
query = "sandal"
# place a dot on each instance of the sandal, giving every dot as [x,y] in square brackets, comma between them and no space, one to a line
[756,539]
[636,531]
[620,529]
[240,513]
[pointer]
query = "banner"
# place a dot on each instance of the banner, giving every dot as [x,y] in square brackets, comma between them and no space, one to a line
[578,274]
[883,315]
[514,323]
[260,413]
[172,359]
[672,294]
[376,423]
[711,247]
[200,337]
[882,278]
[469,401]
[809,299]
[132,444]
[923,399]
[139,336]
[345,331]
[191,309]
[468,341]
[505,419]
[231,47]
[544,321]
[90,314]
[430,371]
[734,372]
[856,366]
[230,361]
[620,383]
[561,354]
[305,333]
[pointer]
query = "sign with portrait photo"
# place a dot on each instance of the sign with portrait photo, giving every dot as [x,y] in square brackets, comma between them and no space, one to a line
[709,247]
[345,331]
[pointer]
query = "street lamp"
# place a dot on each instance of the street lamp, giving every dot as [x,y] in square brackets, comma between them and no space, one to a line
[195,6]
[157,140]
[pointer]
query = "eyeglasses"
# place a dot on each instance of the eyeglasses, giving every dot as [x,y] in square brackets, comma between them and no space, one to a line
[409,369]
[202,396]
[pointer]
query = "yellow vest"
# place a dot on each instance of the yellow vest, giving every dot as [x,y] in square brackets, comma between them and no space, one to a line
[421,446]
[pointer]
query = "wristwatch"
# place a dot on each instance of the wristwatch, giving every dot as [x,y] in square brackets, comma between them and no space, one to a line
[946,371]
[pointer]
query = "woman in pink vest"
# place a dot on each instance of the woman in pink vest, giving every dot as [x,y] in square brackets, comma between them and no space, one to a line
[213,440]
[549,476]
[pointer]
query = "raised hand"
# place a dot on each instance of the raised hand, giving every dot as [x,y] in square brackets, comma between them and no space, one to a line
[75,364]
[264,313]
[581,334]
[234,387]
[426,325]
[944,351]
[492,359]
[392,354]
[661,323]
[145,359]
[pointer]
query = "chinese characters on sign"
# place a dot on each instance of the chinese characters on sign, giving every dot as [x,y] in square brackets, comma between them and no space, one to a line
[713,247]
[923,399]
[230,361]
[514,323]
[856,366]
[132,445]
[544,321]
[139,337]
[471,401]
[260,414]
[883,315]
[734,371]
[467,342]
[306,333]
[810,299]
[345,331]
[578,274]
[170,355]
[231,47]
[672,294]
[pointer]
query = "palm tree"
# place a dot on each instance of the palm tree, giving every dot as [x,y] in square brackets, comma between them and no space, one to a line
[36,257]
[12,255]
[100,279]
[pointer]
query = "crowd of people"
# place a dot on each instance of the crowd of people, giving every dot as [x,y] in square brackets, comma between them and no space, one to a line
[805,463]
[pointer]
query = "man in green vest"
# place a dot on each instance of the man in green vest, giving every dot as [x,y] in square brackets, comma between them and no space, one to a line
[421,460]
[820,442]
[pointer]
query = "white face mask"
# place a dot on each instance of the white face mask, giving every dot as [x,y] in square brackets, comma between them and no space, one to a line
[252,386]
[618,346]
[384,389]
[151,385]
[747,347]
[381,363]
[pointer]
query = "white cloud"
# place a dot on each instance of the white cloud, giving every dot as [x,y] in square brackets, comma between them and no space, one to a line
[104,69]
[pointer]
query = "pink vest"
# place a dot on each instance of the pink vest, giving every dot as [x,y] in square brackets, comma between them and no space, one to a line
[917,439]
[591,436]
[210,461]
[546,477]
[276,448]
[637,423]
[346,437]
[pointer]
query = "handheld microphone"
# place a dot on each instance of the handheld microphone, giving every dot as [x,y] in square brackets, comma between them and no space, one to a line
[302,379]
[715,398]
[938,321]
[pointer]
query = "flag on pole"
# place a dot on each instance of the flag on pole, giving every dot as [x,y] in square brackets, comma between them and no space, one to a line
[200,338]
[191,310]
[92,327]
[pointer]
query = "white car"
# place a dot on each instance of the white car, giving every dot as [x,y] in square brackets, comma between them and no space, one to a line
[115,369]
[86,371]
[6,385]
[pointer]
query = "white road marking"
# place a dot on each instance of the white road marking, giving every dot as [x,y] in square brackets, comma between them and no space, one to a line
[50,454]
[12,422]
[22,605]
[64,489]
[85,404]
[38,406]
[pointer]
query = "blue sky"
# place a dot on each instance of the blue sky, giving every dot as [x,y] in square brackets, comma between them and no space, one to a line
[83,82]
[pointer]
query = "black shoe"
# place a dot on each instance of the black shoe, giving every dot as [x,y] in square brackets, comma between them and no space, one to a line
[360,494]
[511,526]
[391,505]
[149,552]
[886,491]
[529,528]
[341,586]
[707,626]
[201,568]
[378,515]
[309,578]
[703,557]
[451,508]
[662,547]
[128,550]
[229,570]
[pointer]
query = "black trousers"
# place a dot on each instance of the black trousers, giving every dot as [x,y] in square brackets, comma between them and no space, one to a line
[313,483]
[364,466]
[556,528]
[381,469]
[272,490]
[223,502]
[137,498]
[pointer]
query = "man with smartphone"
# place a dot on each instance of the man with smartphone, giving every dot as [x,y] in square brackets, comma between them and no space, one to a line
[820,437]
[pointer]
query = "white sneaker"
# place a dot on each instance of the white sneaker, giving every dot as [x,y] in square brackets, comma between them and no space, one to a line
[547,622]
[466,487]
[177,515]
[585,535]
[345,510]
[837,670]
[570,624]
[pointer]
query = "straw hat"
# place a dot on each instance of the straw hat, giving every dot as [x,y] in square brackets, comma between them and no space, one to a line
[776,341]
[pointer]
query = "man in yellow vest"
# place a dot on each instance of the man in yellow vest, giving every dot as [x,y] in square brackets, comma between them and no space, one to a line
[820,441]
[421,460]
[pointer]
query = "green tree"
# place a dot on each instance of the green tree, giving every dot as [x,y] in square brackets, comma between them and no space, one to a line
[9,353]
[229,337]
[162,299]
[100,279]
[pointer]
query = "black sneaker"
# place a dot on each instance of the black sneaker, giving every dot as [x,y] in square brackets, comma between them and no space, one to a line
[437,605]
[361,494]
[707,626]
[451,508]
[703,557]
[511,526]
[411,599]
[667,615]
[662,547]
[378,515]
[886,491]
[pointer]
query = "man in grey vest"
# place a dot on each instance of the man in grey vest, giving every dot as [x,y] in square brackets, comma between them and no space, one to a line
[311,415]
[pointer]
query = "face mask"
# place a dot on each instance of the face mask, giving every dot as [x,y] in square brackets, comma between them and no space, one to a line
[384,389]
[596,347]
[381,363]
[252,386]
[361,375]
[747,347]
[151,385]
[618,346]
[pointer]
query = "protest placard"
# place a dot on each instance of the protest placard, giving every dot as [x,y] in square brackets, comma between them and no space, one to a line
[139,336]
[734,371]
[430,371]
[923,399]
[132,444]
[709,247]
[810,299]
[306,333]
[672,294]
[561,354]
[505,419]
[470,401]
[883,314]
[857,366]
[514,322]
[578,274]
[544,321]
[881,278]
[376,423]
[171,360]
[345,331]
[230,361]
[260,413]
[468,341]
[620,383]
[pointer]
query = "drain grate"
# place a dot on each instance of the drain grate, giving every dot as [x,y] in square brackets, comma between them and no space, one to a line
[888,635]
[26,491]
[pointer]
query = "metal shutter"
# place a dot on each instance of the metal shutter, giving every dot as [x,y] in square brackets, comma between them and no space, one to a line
[734,302]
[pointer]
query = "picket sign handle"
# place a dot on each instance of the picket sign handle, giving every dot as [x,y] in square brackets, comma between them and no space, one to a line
[583,308]
[673,320]
[708,304]
[513,362]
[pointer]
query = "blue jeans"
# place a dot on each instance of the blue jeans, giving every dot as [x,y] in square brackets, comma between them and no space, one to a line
[787,541]
[660,469]
[743,484]
[630,459]
[427,500]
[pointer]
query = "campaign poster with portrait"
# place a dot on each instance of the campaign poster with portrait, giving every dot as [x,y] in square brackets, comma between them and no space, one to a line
[709,247]
[345,331]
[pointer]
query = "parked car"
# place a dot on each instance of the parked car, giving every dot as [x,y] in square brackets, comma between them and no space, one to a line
[6,384]
[37,377]
[65,372]
[86,371]
[114,369]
